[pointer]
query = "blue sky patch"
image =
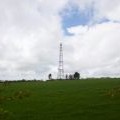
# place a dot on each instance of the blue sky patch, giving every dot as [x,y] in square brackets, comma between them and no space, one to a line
[75,17]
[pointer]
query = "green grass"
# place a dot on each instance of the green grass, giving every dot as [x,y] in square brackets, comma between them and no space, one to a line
[61,100]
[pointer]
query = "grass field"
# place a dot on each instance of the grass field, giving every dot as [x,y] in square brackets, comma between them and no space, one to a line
[61,100]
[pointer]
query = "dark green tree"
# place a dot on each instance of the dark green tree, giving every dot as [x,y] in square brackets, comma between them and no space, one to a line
[76,75]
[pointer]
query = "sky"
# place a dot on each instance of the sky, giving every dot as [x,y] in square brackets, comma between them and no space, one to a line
[31,30]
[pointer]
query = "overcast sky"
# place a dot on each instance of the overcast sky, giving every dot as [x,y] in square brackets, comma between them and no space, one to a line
[30,31]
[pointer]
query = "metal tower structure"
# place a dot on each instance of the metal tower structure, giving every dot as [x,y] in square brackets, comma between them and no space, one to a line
[60,66]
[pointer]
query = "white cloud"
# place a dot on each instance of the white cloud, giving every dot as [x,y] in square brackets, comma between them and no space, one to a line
[78,30]
[102,8]
[96,50]
[30,31]
[29,36]
[108,9]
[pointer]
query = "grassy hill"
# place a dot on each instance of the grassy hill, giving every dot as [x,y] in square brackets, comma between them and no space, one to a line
[97,99]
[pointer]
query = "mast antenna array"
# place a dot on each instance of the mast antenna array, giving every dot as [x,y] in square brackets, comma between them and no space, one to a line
[60,66]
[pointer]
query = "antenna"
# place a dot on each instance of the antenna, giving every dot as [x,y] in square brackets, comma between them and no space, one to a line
[60,66]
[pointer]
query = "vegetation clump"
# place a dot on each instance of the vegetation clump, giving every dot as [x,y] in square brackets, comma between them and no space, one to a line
[114,92]
[21,94]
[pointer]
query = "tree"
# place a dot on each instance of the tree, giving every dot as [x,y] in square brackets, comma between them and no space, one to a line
[50,76]
[76,75]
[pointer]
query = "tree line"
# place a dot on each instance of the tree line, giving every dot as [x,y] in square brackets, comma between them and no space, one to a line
[76,76]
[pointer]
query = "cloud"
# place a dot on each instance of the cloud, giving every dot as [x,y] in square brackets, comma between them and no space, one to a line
[29,36]
[30,32]
[101,9]
[78,30]
[94,47]
[95,51]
